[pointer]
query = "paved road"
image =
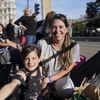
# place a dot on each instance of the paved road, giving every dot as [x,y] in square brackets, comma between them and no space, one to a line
[89,46]
[90,39]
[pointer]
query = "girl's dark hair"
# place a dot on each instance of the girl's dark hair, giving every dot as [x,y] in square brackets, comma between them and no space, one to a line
[29,48]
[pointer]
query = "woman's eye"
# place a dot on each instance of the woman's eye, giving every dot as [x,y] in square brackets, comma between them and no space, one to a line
[60,27]
[53,27]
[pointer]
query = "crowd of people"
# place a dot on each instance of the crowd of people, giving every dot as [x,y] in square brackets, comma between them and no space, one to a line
[46,58]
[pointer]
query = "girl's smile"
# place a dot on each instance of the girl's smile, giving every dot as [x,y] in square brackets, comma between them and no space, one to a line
[31,61]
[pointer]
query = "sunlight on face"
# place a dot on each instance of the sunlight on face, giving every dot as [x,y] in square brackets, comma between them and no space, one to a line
[31,61]
[58,29]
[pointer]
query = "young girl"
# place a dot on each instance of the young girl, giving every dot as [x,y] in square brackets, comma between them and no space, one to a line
[29,77]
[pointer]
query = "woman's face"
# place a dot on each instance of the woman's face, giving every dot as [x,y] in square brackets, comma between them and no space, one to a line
[59,30]
[31,61]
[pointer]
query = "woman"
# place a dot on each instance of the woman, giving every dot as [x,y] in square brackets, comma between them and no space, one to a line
[59,66]
[30,77]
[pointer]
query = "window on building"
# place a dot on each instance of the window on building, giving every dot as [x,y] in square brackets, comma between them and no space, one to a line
[0,11]
[5,11]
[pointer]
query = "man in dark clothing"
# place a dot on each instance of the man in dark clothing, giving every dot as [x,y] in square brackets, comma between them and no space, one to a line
[29,24]
[10,30]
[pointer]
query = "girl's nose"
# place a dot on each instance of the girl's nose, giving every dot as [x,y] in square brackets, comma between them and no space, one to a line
[30,60]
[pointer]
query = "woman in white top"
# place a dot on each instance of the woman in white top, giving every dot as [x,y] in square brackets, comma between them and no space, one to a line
[59,65]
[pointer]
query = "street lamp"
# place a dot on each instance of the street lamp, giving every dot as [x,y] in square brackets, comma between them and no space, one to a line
[9,12]
[27,3]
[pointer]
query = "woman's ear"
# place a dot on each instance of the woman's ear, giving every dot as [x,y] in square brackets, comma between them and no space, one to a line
[66,31]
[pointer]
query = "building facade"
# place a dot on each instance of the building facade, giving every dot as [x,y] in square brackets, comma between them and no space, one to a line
[46,7]
[7,11]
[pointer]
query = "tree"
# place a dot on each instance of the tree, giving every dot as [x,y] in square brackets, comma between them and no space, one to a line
[78,29]
[93,10]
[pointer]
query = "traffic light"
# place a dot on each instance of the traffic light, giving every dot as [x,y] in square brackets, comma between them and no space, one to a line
[37,8]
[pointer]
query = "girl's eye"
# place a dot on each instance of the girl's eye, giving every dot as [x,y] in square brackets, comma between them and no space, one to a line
[33,58]
[29,58]
[26,59]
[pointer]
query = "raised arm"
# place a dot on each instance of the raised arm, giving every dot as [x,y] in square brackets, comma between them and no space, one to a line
[7,42]
[9,89]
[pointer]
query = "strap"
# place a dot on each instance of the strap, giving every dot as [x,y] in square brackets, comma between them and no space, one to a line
[59,52]
[69,47]
[3,49]
[20,78]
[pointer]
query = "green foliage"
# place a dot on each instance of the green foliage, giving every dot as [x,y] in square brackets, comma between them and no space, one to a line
[93,10]
[79,27]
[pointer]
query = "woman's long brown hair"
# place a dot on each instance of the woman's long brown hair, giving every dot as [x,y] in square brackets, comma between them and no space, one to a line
[65,59]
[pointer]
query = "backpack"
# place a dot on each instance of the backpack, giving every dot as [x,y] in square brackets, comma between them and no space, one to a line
[4,56]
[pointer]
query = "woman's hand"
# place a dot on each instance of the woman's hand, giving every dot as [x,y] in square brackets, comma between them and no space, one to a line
[45,82]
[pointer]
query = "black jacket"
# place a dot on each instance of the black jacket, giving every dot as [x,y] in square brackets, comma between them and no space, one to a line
[29,23]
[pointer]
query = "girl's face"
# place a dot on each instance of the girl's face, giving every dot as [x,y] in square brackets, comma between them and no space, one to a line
[59,30]
[31,61]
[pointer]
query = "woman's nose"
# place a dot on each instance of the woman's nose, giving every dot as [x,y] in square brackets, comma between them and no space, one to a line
[57,29]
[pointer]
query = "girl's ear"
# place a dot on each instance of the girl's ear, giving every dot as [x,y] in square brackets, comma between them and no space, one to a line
[40,58]
[43,58]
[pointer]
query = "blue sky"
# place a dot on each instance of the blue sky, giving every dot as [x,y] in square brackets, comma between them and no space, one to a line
[71,8]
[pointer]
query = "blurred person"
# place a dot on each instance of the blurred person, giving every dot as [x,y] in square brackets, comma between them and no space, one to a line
[9,50]
[59,65]
[29,24]
[5,57]
[44,29]
[10,30]
[4,41]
